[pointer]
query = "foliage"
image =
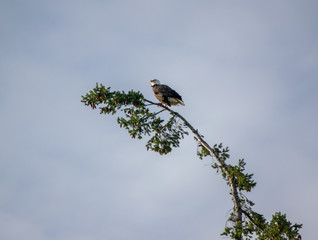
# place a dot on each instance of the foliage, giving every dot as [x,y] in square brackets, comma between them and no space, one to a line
[164,135]
[137,119]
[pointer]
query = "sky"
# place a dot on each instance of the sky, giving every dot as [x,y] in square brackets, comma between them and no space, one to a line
[246,70]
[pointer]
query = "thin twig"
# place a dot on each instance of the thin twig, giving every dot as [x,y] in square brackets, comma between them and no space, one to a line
[251,219]
[159,112]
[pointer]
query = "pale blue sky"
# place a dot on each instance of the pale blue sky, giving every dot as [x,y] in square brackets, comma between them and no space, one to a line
[247,71]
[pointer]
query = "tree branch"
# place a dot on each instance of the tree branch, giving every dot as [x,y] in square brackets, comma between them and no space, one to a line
[164,135]
[223,165]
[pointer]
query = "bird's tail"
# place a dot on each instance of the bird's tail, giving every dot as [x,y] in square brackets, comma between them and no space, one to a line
[181,102]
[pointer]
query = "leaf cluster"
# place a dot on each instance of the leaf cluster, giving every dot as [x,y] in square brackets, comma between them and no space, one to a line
[137,118]
[253,224]
[112,101]
[279,228]
[243,181]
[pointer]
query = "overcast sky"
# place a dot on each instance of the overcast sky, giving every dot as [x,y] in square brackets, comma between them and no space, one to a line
[247,72]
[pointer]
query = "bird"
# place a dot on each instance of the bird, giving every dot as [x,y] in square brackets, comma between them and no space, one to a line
[165,94]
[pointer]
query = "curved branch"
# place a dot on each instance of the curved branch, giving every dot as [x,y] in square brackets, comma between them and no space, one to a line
[236,199]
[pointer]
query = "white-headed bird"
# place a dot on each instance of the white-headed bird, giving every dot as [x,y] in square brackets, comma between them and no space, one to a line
[165,94]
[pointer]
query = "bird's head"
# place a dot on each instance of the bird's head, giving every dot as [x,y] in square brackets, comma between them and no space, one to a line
[154,82]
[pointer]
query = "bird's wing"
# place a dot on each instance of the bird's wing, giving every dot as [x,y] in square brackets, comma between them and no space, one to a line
[168,91]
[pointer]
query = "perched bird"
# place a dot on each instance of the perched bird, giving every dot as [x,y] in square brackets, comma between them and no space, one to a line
[165,94]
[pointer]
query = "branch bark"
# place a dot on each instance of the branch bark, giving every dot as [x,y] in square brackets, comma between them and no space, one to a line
[223,165]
